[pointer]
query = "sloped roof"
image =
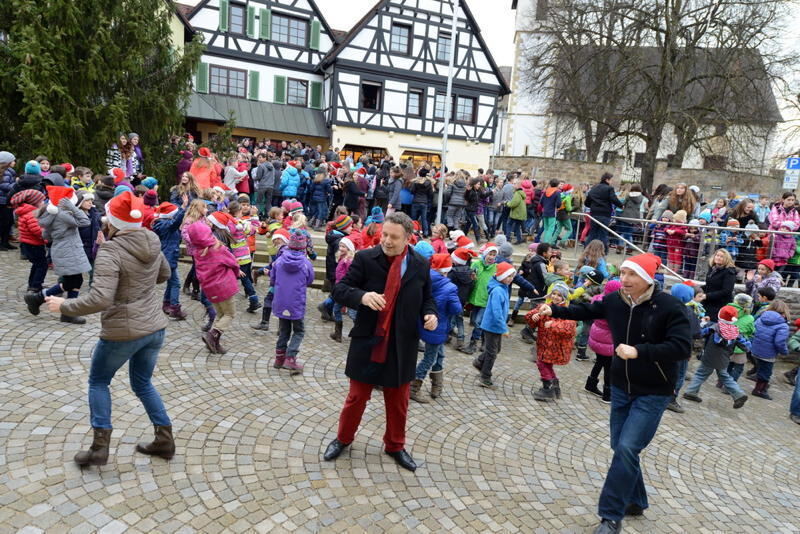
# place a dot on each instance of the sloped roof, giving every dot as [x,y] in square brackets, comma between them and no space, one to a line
[330,57]
[258,115]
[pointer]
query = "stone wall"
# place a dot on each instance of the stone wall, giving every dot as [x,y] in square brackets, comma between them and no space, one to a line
[574,172]
[717,183]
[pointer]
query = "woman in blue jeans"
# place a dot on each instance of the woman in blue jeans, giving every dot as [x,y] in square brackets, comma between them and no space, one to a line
[127,268]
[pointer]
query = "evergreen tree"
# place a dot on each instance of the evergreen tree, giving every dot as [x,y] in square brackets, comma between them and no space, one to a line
[75,74]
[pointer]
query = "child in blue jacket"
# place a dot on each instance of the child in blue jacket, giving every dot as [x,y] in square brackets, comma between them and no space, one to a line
[167,226]
[445,293]
[772,334]
[493,325]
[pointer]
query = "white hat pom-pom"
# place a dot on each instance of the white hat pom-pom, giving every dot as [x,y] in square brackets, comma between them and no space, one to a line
[240,227]
[52,209]
[136,214]
[104,220]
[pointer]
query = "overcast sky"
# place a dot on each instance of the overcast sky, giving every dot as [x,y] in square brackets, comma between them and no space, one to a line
[495,19]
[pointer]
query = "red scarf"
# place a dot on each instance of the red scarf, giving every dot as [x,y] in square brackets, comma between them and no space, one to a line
[385,316]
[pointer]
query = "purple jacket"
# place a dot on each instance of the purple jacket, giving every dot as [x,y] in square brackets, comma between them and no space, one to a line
[291,274]
[783,249]
[217,269]
[184,164]
[600,339]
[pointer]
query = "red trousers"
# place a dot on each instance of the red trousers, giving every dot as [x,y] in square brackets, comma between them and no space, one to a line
[546,370]
[396,401]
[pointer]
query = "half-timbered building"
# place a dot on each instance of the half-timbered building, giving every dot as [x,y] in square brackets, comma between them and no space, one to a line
[385,84]
[260,66]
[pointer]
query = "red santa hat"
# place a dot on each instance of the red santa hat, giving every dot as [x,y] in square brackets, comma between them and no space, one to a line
[462,256]
[125,211]
[489,247]
[348,243]
[728,314]
[55,193]
[68,167]
[567,188]
[221,220]
[464,242]
[442,263]
[335,164]
[362,171]
[204,152]
[281,233]
[166,210]
[644,265]
[504,270]
[118,174]
[455,234]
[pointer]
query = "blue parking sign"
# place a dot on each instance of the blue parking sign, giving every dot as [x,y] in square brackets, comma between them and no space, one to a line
[793,162]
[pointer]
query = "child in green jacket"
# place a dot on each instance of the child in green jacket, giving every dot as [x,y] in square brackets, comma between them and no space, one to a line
[484,267]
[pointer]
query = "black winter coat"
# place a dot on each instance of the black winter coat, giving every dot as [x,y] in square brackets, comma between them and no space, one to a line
[351,196]
[533,270]
[421,191]
[657,327]
[464,279]
[368,272]
[718,290]
[601,200]
[332,238]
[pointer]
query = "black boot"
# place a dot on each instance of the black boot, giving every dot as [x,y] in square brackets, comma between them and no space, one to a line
[72,320]
[255,305]
[264,324]
[581,355]
[336,335]
[546,392]
[325,314]
[470,349]
[98,451]
[527,336]
[557,388]
[512,318]
[34,301]
[591,386]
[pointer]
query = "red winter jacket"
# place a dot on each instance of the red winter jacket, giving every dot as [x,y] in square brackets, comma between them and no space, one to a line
[29,230]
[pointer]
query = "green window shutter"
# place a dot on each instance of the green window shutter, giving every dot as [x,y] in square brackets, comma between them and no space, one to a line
[316,95]
[265,16]
[280,90]
[202,78]
[253,89]
[224,11]
[313,42]
[251,22]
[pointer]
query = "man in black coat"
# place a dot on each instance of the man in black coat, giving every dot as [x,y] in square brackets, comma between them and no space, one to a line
[651,335]
[602,202]
[390,286]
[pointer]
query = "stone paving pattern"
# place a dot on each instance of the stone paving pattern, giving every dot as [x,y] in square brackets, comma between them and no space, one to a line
[250,437]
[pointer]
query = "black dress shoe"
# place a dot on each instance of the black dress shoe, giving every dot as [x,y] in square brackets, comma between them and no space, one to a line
[403,459]
[634,510]
[334,449]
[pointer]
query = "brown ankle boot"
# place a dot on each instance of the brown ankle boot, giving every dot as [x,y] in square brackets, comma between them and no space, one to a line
[437,381]
[98,451]
[416,392]
[162,446]
[218,348]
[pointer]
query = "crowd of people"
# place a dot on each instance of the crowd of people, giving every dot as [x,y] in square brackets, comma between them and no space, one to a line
[119,229]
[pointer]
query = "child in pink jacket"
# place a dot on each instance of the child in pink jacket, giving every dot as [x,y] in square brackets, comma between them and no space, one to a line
[602,343]
[217,271]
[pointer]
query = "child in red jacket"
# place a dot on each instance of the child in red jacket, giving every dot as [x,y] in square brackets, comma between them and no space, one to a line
[27,204]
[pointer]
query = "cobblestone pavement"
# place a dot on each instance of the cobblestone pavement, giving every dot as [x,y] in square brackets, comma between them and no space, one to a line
[250,438]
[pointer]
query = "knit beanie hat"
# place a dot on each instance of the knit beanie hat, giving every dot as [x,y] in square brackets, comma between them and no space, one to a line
[346,241]
[342,222]
[166,210]
[27,196]
[462,256]
[221,220]
[506,250]
[125,211]
[425,249]
[680,216]
[107,181]
[561,288]
[788,225]
[500,240]
[118,174]
[682,292]
[33,167]
[744,301]
[281,234]
[504,270]
[121,189]
[768,263]
[442,263]
[667,215]
[695,222]
[55,193]
[149,182]
[612,286]
[295,207]
[732,223]
[84,195]
[644,265]
[7,157]
[150,198]
[376,215]
[298,240]
[132,135]
[532,247]
[706,215]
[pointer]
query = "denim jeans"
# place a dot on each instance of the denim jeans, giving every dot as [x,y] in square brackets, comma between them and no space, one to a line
[735,370]
[38,258]
[264,201]
[794,406]
[247,282]
[457,322]
[433,360]
[320,210]
[504,219]
[764,369]
[583,336]
[515,226]
[290,335]
[634,421]
[173,290]
[472,222]
[702,373]
[625,230]
[475,318]
[419,212]
[598,232]
[682,366]
[337,312]
[492,220]
[141,355]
